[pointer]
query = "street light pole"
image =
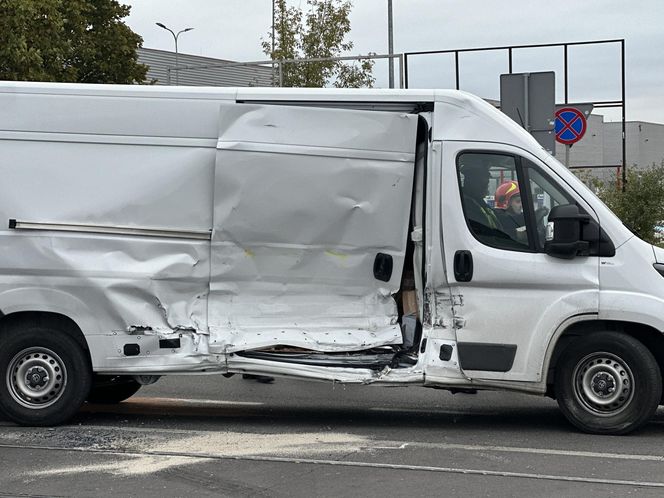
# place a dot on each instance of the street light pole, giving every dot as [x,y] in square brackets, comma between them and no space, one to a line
[274,13]
[175,37]
[274,10]
[390,41]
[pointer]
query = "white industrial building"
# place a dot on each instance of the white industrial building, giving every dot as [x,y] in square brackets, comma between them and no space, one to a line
[602,145]
[209,71]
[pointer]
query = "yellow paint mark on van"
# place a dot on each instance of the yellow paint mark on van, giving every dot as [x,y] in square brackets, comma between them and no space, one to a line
[336,254]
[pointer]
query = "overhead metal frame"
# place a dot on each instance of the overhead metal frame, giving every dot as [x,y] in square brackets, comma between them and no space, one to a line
[279,63]
[510,50]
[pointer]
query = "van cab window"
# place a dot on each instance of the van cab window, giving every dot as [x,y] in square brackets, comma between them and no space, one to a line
[545,196]
[491,198]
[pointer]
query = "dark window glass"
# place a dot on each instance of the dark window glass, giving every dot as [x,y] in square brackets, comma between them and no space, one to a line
[491,197]
[545,195]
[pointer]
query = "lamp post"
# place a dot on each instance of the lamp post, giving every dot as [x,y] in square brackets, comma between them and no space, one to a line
[390,41]
[175,37]
[274,13]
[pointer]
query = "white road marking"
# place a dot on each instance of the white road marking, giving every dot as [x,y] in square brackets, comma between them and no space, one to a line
[537,451]
[191,401]
[341,463]
[400,447]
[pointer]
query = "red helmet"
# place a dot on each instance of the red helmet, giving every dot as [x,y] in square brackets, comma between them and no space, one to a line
[505,192]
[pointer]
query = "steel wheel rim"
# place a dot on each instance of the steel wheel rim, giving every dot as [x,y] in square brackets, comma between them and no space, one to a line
[603,384]
[36,378]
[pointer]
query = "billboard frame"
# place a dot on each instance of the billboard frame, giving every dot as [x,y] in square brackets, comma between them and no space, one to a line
[510,51]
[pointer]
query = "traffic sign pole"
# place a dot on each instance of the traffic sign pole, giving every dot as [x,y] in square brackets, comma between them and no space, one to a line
[567,147]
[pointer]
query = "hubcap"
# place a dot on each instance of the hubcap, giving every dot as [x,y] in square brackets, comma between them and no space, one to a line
[36,378]
[603,383]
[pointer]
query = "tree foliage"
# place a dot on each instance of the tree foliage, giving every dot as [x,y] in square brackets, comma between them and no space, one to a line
[641,205]
[317,33]
[82,41]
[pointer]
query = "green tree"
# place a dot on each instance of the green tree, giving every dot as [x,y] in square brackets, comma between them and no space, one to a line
[641,205]
[317,33]
[82,41]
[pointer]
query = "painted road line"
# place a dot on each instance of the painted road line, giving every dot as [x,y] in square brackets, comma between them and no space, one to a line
[341,463]
[191,401]
[514,449]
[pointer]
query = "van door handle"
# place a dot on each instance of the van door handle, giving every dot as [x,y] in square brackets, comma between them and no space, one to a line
[463,266]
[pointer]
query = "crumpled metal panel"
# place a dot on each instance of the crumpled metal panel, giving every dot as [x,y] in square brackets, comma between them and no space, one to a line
[304,200]
[121,284]
[111,285]
[386,376]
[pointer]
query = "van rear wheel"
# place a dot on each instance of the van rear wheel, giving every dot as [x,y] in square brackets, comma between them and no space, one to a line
[608,383]
[45,375]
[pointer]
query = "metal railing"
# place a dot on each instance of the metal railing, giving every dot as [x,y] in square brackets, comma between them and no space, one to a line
[278,65]
[565,46]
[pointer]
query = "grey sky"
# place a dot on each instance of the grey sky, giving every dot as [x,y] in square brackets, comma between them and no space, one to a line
[232,29]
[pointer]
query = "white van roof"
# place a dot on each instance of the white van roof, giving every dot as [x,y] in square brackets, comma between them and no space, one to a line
[459,115]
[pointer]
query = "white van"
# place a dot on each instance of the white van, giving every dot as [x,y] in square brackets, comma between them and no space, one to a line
[353,236]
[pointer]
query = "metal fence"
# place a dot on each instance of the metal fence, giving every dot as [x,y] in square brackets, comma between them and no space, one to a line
[511,49]
[277,66]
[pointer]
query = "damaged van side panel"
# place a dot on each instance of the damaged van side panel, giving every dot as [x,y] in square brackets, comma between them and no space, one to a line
[112,220]
[305,201]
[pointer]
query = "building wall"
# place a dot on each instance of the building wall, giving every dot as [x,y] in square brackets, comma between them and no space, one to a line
[645,143]
[589,150]
[159,61]
[602,145]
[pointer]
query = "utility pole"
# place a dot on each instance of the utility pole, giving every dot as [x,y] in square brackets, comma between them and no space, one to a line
[175,37]
[390,41]
[272,54]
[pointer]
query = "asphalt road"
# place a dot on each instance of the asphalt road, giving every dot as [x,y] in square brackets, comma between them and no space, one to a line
[211,436]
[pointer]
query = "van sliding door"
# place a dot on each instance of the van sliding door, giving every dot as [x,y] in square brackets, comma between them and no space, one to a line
[311,210]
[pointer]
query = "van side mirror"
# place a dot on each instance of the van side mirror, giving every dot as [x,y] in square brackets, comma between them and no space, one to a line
[563,232]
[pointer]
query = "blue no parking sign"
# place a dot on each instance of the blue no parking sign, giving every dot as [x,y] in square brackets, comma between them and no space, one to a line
[570,125]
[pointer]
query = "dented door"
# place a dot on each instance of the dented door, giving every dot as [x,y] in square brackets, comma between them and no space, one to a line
[311,210]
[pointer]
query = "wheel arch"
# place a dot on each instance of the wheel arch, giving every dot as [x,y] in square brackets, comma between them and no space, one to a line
[45,319]
[649,336]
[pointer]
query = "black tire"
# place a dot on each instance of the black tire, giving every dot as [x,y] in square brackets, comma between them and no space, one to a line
[45,375]
[109,390]
[607,383]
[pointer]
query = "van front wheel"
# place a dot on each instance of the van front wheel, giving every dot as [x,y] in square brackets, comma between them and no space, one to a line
[45,375]
[608,383]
